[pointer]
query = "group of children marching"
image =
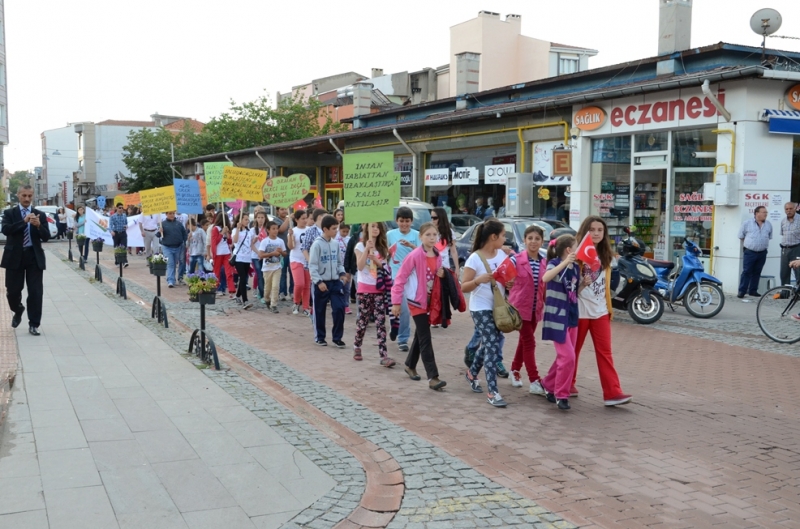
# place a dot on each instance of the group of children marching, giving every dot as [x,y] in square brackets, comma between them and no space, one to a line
[413,275]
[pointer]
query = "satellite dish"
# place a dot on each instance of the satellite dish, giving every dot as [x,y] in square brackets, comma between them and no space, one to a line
[765,22]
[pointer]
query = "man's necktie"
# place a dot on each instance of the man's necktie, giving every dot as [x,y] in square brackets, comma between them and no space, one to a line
[27,237]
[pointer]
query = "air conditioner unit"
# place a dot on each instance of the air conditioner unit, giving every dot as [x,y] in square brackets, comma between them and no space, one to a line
[198,168]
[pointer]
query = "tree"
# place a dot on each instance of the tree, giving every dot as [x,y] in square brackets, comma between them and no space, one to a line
[19,178]
[147,156]
[256,123]
[245,125]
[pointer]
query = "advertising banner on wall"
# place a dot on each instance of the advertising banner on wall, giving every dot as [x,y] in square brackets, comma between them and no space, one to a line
[543,166]
[437,177]
[498,174]
[466,176]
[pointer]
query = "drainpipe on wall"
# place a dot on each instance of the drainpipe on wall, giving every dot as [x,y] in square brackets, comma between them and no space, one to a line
[271,169]
[721,109]
[413,160]
[333,144]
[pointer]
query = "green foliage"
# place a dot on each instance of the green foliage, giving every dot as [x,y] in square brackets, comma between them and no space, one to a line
[147,156]
[243,126]
[19,178]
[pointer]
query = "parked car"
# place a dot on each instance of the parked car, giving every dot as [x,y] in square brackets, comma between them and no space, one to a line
[515,229]
[421,211]
[51,223]
[460,223]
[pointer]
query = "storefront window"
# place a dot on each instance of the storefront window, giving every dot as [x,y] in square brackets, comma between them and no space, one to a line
[796,171]
[333,175]
[611,179]
[690,147]
[404,165]
[652,141]
[461,198]
[691,213]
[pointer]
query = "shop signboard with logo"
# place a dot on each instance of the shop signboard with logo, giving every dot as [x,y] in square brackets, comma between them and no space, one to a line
[498,174]
[662,110]
[466,176]
[437,177]
[793,97]
[589,118]
[543,165]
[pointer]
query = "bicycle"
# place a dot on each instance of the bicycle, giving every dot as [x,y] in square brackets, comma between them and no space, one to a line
[774,314]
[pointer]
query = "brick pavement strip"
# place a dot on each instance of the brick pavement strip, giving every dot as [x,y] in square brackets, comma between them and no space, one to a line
[440,490]
[709,417]
[8,350]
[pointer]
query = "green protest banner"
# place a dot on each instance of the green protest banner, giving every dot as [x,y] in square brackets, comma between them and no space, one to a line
[283,192]
[213,173]
[371,187]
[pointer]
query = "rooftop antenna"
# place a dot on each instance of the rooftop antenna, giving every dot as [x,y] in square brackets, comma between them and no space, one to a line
[765,22]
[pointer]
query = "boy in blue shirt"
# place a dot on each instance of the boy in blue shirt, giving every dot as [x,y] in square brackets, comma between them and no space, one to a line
[401,241]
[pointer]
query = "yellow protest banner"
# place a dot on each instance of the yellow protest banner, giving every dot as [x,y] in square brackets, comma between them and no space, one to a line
[241,183]
[158,200]
[283,192]
[131,199]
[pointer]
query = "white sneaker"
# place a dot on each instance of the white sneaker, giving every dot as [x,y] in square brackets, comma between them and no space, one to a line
[295,309]
[516,381]
[536,388]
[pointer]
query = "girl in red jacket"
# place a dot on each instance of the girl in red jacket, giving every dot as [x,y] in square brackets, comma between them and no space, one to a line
[527,296]
[221,252]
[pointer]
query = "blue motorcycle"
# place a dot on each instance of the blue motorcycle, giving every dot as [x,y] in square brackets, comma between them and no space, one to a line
[690,285]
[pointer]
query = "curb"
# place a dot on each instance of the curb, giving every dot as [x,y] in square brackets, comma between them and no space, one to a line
[8,352]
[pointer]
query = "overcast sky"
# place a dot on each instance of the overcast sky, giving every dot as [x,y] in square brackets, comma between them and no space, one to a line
[91,60]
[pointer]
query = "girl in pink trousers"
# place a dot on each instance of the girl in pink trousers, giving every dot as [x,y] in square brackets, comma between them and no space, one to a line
[561,317]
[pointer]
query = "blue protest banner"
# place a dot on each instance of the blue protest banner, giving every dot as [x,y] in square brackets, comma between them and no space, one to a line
[187,196]
[101,202]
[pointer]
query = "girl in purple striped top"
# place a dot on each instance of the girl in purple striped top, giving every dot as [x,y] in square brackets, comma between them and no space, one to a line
[561,317]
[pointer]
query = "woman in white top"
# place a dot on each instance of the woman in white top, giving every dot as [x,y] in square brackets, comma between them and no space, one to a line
[242,236]
[259,232]
[373,270]
[486,256]
[298,265]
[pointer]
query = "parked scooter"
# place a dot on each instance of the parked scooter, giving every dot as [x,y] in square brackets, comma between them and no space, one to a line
[690,285]
[637,295]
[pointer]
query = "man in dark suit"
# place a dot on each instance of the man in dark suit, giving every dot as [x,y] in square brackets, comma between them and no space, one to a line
[25,229]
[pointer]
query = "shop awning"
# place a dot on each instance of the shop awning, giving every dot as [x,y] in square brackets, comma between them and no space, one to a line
[782,121]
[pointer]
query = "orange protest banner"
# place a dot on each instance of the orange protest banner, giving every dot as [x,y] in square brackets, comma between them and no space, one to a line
[131,199]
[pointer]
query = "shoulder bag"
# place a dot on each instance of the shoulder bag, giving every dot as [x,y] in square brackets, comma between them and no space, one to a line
[506,317]
[232,260]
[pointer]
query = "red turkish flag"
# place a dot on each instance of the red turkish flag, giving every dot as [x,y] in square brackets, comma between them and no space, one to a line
[300,204]
[318,202]
[587,253]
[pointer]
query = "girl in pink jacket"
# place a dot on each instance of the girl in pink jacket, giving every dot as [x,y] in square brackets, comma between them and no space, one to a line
[527,296]
[415,281]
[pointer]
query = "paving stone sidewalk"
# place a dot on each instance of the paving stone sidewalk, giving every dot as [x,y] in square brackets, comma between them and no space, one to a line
[110,427]
[441,491]
[710,439]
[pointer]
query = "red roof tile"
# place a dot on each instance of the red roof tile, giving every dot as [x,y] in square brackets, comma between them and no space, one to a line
[125,123]
[177,126]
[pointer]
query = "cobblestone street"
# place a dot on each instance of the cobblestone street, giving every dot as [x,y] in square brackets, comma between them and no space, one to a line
[711,437]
